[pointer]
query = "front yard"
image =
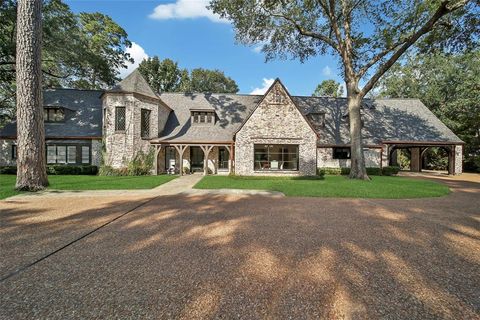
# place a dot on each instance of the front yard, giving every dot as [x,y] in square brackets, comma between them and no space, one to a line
[331,186]
[83,182]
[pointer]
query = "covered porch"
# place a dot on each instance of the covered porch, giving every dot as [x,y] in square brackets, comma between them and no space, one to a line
[417,152]
[189,157]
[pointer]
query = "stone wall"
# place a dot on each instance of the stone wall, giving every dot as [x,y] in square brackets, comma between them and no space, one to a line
[325,159]
[122,146]
[96,151]
[276,121]
[6,153]
[458,169]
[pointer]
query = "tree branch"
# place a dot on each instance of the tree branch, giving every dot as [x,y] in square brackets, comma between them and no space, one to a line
[445,8]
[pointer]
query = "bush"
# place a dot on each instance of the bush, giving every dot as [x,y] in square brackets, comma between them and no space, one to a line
[8,170]
[141,165]
[110,171]
[186,170]
[320,173]
[390,170]
[345,171]
[57,169]
[374,171]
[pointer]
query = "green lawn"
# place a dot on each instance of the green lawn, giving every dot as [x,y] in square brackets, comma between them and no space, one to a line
[72,182]
[331,186]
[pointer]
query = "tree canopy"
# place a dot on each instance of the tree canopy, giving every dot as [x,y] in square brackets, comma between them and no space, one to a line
[166,76]
[328,88]
[367,38]
[79,50]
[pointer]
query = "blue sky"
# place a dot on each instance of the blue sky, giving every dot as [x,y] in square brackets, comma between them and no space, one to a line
[184,31]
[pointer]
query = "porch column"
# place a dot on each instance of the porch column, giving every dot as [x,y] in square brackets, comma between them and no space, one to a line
[230,165]
[451,160]
[180,149]
[206,151]
[158,148]
[415,160]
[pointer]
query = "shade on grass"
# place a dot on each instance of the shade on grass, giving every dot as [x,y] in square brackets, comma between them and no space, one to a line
[73,182]
[331,186]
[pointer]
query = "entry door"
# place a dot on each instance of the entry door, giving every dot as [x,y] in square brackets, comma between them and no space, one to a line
[223,158]
[196,158]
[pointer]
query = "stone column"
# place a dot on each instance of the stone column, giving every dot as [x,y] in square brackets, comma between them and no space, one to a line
[458,156]
[415,161]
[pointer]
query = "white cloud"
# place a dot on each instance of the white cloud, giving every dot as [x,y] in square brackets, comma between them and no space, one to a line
[267,83]
[138,54]
[185,9]
[327,71]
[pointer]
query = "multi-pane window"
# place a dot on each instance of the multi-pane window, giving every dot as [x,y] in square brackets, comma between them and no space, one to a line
[67,154]
[14,152]
[85,154]
[203,117]
[53,114]
[341,153]
[145,123]
[276,157]
[120,119]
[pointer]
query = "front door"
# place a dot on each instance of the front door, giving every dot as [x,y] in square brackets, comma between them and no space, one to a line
[223,157]
[196,158]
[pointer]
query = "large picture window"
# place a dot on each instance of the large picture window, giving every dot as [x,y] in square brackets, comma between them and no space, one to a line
[68,154]
[274,157]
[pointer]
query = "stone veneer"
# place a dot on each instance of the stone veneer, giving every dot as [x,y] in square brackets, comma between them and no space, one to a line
[325,158]
[122,146]
[6,153]
[458,159]
[276,120]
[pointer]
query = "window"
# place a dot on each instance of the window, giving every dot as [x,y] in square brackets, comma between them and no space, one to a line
[61,154]
[85,154]
[223,158]
[341,153]
[120,119]
[203,117]
[72,154]
[14,152]
[51,154]
[51,114]
[276,157]
[145,123]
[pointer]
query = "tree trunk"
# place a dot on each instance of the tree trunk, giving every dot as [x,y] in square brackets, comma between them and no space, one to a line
[357,167]
[31,168]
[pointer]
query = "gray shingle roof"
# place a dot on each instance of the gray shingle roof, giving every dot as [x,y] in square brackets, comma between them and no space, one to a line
[134,82]
[83,114]
[384,119]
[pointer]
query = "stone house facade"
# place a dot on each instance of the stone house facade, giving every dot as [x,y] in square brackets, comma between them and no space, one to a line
[270,134]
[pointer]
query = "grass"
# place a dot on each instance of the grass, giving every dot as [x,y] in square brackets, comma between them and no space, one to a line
[331,186]
[73,182]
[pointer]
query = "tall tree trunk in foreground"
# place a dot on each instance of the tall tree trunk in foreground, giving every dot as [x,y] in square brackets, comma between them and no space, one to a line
[31,167]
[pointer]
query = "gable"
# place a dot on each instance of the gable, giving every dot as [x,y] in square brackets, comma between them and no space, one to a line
[277,116]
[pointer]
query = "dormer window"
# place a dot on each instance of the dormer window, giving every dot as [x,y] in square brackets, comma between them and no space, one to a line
[318,119]
[203,117]
[54,114]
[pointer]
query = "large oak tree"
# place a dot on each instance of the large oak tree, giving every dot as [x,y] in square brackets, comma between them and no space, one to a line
[367,37]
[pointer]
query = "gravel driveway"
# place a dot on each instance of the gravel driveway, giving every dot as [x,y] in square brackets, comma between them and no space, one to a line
[242,256]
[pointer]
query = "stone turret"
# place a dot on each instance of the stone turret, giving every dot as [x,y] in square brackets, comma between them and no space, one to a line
[132,115]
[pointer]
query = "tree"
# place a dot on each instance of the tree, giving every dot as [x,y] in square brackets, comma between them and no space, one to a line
[449,85]
[31,162]
[328,88]
[367,37]
[164,75]
[204,80]
[80,51]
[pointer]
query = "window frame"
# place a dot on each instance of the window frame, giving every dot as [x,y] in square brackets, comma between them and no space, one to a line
[117,119]
[147,134]
[336,151]
[282,152]
[14,152]
[55,110]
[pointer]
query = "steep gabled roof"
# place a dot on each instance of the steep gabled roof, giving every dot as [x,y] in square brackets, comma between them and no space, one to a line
[135,83]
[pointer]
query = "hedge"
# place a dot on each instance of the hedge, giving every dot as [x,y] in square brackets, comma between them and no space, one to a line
[386,171]
[58,170]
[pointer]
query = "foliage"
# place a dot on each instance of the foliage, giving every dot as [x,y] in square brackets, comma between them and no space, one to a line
[328,88]
[166,76]
[390,170]
[58,169]
[140,165]
[88,182]
[436,159]
[370,171]
[79,50]
[331,186]
[449,85]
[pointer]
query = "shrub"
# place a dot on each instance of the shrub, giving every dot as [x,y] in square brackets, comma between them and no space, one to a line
[374,171]
[320,173]
[390,170]
[345,171]
[57,169]
[186,170]
[110,171]
[142,164]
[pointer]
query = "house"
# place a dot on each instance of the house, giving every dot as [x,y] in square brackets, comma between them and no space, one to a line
[270,134]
